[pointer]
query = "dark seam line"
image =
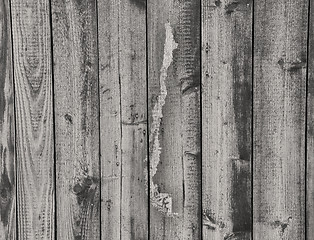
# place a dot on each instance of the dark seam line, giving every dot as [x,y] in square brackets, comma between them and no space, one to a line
[53,119]
[306,114]
[147,129]
[120,105]
[180,38]
[252,125]
[14,103]
[120,155]
[201,130]
[99,127]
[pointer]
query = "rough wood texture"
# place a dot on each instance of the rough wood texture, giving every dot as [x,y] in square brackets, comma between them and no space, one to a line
[280,54]
[226,118]
[174,119]
[310,130]
[76,99]
[34,119]
[7,135]
[133,83]
[161,114]
[122,63]
[110,117]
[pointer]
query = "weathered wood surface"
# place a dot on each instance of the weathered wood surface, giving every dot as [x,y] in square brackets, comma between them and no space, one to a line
[76,102]
[174,119]
[133,86]
[226,119]
[34,119]
[110,118]
[7,132]
[134,119]
[310,129]
[122,47]
[280,56]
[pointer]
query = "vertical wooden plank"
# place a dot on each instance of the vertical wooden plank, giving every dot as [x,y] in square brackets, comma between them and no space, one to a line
[174,119]
[133,83]
[7,133]
[226,118]
[280,55]
[110,117]
[310,129]
[76,119]
[34,118]
[122,47]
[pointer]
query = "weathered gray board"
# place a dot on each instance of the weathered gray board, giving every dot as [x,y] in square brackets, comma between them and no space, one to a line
[165,119]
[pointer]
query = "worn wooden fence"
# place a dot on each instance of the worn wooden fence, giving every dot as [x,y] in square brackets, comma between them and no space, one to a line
[157,119]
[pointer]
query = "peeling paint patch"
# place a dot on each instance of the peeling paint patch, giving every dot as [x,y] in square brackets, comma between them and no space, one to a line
[161,201]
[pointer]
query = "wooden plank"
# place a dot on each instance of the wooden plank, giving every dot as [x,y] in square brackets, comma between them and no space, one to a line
[34,119]
[122,47]
[174,119]
[310,129]
[110,117]
[280,55]
[7,132]
[133,83]
[226,118]
[74,25]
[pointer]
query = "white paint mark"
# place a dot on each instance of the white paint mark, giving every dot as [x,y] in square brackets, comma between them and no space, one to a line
[162,201]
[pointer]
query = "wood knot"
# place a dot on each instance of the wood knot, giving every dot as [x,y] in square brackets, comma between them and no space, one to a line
[86,189]
[210,222]
[207,48]
[68,118]
[240,5]
[109,204]
[141,4]
[230,8]
[237,235]
[5,190]
[5,198]
[218,3]
[77,188]
[282,225]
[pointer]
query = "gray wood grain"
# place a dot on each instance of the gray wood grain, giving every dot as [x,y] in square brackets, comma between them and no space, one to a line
[75,52]
[34,119]
[122,31]
[226,119]
[174,119]
[280,55]
[132,70]
[7,139]
[310,130]
[110,118]
[163,154]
